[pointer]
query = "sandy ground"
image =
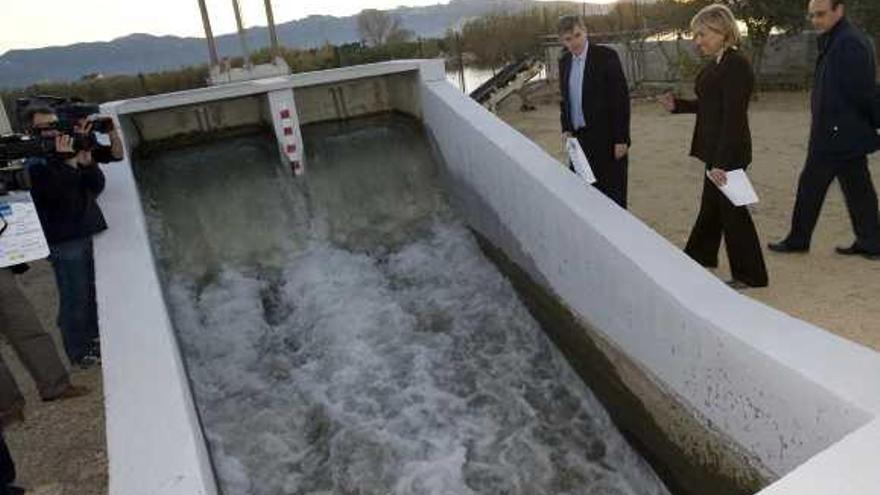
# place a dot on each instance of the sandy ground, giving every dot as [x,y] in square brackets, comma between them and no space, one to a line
[63,442]
[832,291]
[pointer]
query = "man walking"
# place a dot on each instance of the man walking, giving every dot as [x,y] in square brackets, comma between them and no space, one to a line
[595,106]
[841,136]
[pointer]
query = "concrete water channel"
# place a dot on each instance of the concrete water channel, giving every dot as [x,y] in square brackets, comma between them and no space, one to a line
[232,366]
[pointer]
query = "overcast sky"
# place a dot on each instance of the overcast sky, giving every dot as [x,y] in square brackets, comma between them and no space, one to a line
[38,23]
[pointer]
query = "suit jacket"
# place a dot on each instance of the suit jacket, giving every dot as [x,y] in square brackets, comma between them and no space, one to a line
[843,96]
[722,137]
[605,101]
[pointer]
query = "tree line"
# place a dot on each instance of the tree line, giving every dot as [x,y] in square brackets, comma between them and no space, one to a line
[500,38]
[99,89]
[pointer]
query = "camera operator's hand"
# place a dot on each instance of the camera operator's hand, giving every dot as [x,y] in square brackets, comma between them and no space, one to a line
[83,127]
[116,147]
[109,122]
[117,150]
[64,144]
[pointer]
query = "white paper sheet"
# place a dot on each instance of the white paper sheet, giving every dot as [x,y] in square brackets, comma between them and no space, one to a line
[739,188]
[22,240]
[579,160]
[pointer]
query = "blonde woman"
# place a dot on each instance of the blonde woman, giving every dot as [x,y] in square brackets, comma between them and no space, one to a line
[722,140]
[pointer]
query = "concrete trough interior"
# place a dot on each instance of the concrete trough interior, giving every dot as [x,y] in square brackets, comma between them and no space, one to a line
[720,393]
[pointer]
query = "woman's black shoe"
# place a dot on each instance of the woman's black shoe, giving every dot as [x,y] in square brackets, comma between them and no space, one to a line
[784,247]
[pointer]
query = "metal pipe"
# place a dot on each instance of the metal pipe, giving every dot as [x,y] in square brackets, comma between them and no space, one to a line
[273,36]
[241,35]
[460,62]
[209,34]
[5,127]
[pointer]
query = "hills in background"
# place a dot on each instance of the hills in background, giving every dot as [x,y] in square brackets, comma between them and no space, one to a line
[147,53]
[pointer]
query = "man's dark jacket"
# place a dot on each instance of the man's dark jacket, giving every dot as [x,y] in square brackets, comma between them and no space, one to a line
[844,89]
[605,101]
[65,198]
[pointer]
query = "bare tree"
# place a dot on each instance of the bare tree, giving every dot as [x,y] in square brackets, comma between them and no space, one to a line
[377,28]
[762,17]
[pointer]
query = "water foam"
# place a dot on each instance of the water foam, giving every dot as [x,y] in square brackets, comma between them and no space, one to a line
[400,363]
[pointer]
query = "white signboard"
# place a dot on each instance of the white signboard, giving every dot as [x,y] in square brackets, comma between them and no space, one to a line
[21,235]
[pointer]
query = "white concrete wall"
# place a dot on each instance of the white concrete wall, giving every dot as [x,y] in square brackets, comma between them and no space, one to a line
[154,441]
[779,387]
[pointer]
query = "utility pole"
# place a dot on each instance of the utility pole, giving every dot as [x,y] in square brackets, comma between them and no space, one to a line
[241,34]
[460,62]
[273,35]
[209,34]
[5,128]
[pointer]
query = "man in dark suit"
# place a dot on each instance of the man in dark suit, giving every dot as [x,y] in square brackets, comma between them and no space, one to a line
[595,106]
[841,136]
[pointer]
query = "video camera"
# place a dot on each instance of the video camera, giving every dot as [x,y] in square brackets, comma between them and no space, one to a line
[70,112]
[18,146]
[13,178]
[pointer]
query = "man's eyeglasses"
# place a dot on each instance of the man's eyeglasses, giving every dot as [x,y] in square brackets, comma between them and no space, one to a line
[42,128]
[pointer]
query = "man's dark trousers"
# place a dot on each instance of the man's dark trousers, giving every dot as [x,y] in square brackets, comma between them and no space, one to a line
[7,467]
[858,191]
[842,134]
[74,266]
[611,175]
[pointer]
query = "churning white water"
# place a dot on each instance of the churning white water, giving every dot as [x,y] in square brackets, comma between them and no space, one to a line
[344,334]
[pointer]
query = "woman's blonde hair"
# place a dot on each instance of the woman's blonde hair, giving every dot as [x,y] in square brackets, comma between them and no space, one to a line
[720,19]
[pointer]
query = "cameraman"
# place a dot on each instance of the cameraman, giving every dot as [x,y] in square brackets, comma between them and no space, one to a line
[64,186]
[102,153]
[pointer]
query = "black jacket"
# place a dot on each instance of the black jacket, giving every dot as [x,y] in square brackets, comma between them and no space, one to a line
[722,137]
[65,199]
[843,96]
[605,100]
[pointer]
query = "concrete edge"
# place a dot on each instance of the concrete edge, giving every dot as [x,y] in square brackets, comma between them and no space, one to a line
[431,70]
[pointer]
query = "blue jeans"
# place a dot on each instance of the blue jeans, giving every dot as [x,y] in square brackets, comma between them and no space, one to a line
[74,266]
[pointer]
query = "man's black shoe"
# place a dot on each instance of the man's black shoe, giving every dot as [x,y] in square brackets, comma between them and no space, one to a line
[737,284]
[784,247]
[848,250]
[854,250]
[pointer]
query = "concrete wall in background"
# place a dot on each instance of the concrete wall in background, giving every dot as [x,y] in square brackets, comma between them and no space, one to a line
[352,98]
[788,60]
[319,97]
